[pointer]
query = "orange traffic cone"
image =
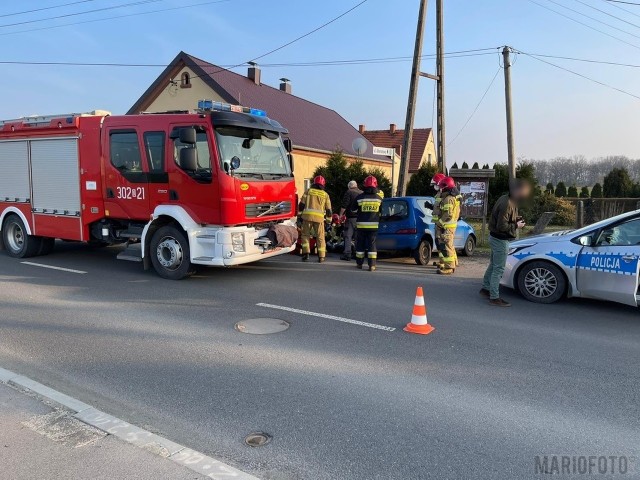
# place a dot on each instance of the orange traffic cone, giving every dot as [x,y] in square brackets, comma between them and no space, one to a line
[419,323]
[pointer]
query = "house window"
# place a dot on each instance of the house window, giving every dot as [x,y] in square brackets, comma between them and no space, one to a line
[430,159]
[185,80]
[307,184]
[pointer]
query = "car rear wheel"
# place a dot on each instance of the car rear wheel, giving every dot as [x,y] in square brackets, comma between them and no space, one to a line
[17,241]
[422,254]
[541,282]
[469,246]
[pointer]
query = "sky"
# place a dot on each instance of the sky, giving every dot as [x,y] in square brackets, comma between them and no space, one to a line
[556,113]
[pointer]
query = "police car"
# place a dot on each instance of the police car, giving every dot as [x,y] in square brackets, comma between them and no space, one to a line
[598,261]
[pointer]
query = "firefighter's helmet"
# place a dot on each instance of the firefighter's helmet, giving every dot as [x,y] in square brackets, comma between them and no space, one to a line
[447,183]
[371,182]
[319,180]
[437,178]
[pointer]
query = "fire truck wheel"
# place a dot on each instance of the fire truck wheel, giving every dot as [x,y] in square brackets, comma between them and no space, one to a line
[169,252]
[16,240]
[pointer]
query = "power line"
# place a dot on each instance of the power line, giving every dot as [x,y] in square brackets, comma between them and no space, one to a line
[311,32]
[594,19]
[362,61]
[477,107]
[116,17]
[288,43]
[620,1]
[585,24]
[24,12]
[607,13]
[580,75]
[586,60]
[615,5]
[75,14]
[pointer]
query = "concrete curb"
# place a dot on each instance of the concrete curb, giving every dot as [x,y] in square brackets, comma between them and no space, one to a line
[191,459]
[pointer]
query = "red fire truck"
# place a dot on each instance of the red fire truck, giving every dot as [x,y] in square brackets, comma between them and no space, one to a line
[178,188]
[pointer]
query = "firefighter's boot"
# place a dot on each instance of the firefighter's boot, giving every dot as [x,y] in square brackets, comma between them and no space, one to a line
[446,271]
[305,257]
[320,259]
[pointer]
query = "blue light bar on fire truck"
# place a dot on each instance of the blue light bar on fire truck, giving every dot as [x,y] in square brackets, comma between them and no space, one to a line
[210,105]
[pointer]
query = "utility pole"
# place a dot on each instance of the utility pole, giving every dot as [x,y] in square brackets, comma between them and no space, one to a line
[411,105]
[442,137]
[511,149]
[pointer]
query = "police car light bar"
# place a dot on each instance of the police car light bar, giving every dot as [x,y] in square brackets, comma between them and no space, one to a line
[210,105]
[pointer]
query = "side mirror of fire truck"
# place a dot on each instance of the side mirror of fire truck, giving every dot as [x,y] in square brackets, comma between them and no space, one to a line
[291,162]
[188,136]
[189,159]
[288,145]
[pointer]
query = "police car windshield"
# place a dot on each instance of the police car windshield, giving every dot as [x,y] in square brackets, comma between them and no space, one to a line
[261,152]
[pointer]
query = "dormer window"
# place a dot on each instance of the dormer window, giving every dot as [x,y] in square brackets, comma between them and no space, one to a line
[185,80]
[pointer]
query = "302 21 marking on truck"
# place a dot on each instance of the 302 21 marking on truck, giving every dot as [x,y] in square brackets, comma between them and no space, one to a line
[187,188]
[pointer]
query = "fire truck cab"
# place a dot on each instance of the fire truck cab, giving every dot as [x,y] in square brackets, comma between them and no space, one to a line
[178,188]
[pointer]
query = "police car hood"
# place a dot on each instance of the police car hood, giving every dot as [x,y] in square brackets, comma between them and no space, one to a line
[544,238]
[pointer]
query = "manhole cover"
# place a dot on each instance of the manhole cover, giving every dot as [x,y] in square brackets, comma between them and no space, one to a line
[262,326]
[257,439]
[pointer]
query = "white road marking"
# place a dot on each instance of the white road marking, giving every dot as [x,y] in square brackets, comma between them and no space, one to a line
[330,317]
[191,459]
[51,267]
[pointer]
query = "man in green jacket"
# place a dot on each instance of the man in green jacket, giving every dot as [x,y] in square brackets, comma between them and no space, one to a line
[503,227]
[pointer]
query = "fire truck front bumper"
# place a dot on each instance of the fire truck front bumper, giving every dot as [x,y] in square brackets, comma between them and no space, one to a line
[228,246]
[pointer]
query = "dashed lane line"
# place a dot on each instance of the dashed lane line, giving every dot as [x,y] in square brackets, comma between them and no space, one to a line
[52,267]
[330,317]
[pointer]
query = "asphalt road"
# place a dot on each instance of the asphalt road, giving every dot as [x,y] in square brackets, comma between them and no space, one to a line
[479,398]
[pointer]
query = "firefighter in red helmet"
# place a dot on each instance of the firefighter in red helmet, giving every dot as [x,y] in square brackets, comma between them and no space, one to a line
[315,206]
[369,206]
[435,214]
[446,226]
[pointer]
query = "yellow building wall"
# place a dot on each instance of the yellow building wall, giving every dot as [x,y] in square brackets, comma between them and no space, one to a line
[174,97]
[307,162]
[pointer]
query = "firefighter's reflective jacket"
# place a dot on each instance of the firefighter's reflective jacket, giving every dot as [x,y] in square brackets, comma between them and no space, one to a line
[369,204]
[315,205]
[449,211]
[435,214]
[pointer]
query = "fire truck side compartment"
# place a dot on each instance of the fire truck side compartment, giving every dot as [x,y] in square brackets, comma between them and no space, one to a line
[14,171]
[55,176]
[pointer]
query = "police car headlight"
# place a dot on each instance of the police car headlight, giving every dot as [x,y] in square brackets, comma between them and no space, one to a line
[237,240]
[515,249]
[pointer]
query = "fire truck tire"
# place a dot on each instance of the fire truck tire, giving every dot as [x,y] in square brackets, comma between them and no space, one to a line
[170,254]
[16,240]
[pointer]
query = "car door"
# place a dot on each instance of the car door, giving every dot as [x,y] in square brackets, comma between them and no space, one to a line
[396,225]
[126,182]
[608,268]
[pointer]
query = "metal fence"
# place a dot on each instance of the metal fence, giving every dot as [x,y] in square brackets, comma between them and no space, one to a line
[590,210]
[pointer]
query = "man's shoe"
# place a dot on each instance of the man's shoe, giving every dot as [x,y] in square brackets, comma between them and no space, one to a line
[305,257]
[498,302]
[359,266]
[372,268]
[320,259]
[346,258]
[484,292]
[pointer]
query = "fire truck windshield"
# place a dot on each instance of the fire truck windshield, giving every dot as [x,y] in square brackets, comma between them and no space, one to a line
[261,153]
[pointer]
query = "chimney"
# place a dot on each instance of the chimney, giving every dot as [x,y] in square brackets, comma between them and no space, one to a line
[254,73]
[362,129]
[285,85]
[392,128]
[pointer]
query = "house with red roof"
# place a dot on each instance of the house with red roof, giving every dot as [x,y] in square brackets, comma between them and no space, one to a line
[315,130]
[423,148]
